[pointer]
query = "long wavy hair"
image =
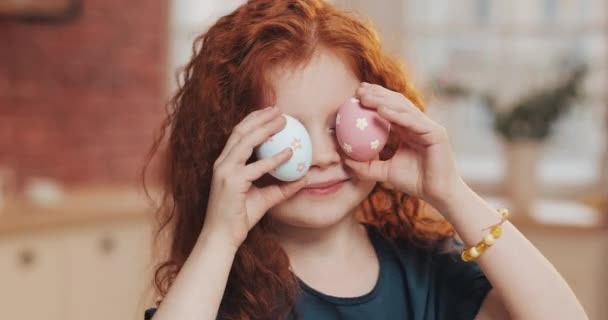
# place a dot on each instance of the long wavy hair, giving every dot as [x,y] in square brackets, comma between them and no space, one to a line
[227,78]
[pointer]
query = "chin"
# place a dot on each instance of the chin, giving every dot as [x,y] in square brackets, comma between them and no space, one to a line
[306,210]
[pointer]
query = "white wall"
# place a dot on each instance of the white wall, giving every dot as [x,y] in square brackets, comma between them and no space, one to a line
[188,19]
[508,47]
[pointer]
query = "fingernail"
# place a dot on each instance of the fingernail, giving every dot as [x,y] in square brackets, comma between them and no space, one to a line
[365,84]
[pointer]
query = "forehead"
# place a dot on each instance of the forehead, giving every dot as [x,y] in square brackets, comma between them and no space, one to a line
[315,89]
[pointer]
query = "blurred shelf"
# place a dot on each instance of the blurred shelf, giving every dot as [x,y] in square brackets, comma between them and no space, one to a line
[562,173]
[557,178]
[78,207]
[556,214]
[519,29]
[562,187]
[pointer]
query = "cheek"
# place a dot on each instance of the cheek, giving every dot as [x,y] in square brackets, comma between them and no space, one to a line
[364,188]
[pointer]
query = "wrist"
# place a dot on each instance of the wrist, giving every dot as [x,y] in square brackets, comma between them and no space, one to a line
[217,240]
[453,197]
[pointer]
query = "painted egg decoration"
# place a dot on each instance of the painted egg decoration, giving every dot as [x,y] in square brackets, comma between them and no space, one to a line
[294,136]
[361,132]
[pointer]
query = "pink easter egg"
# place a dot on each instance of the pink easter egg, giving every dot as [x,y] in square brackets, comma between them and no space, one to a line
[361,132]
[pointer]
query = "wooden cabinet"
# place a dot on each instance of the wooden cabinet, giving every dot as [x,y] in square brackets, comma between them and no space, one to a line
[92,260]
[92,272]
[32,276]
[107,271]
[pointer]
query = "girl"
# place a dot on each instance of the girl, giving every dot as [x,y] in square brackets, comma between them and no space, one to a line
[350,240]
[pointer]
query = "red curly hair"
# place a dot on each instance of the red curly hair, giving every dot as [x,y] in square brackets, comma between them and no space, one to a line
[227,78]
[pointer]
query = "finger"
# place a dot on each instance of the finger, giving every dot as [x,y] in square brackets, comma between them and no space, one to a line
[252,121]
[244,148]
[411,123]
[376,170]
[370,99]
[420,131]
[374,96]
[262,199]
[368,88]
[259,168]
[377,101]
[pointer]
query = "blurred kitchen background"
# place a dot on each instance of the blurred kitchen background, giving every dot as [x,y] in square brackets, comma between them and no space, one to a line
[521,86]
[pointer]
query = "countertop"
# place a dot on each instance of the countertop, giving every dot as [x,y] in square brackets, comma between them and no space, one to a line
[78,207]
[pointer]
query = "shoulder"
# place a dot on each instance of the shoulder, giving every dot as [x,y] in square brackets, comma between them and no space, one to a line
[446,265]
[461,285]
[450,267]
[450,285]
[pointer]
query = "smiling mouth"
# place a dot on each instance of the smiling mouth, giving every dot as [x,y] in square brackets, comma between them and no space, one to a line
[325,188]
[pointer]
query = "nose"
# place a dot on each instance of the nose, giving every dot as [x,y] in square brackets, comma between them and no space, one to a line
[325,151]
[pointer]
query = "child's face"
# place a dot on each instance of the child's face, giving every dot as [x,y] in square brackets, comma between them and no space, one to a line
[312,95]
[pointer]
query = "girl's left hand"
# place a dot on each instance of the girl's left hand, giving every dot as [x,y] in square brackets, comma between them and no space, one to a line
[423,166]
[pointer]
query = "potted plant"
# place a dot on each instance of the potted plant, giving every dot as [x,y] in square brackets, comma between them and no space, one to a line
[524,128]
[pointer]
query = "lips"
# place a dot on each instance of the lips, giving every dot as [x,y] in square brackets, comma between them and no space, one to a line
[324,185]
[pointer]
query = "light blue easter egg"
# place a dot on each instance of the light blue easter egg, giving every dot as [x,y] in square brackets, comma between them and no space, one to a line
[294,136]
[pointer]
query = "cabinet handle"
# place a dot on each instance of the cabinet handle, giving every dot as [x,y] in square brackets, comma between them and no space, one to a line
[107,244]
[27,258]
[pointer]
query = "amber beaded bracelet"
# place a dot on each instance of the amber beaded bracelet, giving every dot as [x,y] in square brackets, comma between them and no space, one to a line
[472,253]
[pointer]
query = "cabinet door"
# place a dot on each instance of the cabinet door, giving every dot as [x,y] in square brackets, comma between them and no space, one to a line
[32,277]
[108,271]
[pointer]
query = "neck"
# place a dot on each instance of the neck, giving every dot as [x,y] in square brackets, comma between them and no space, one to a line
[338,242]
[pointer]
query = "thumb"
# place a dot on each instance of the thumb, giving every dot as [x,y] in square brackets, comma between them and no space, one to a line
[368,170]
[269,196]
[284,191]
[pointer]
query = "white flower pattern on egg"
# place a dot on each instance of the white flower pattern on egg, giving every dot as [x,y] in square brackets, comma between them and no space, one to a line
[301,166]
[348,148]
[374,144]
[361,123]
[294,136]
[296,144]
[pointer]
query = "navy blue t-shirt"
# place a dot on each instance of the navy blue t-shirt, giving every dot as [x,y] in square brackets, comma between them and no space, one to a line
[413,284]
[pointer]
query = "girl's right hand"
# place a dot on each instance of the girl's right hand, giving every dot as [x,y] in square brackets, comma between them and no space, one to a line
[235,203]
